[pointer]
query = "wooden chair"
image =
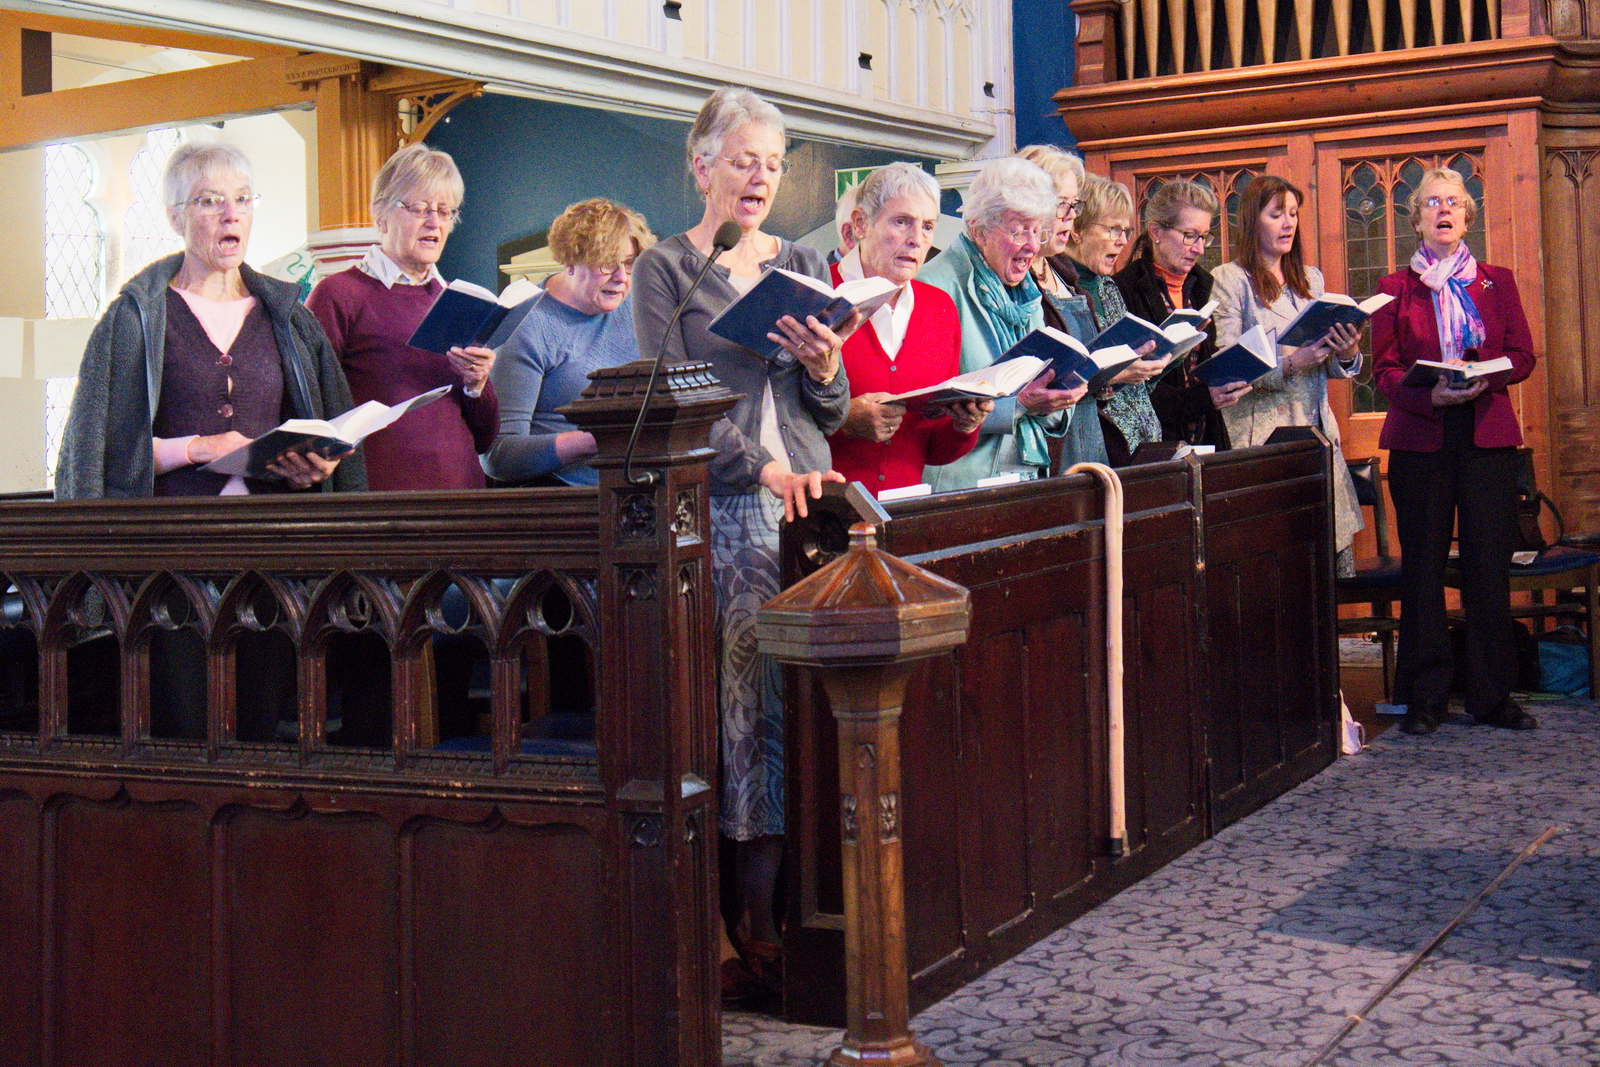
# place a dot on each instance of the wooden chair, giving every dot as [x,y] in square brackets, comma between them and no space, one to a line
[1377,579]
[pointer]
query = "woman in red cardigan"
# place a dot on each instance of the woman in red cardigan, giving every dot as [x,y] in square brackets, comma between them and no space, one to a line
[915,341]
[1452,457]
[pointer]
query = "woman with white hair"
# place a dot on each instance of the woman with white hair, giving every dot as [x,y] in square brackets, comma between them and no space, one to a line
[1010,209]
[197,355]
[370,312]
[911,342]
[771,454]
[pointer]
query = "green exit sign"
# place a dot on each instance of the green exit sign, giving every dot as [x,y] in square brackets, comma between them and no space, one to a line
[844,179]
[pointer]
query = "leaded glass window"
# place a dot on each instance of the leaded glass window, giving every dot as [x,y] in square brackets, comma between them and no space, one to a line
[1378,237]
[74,237]
[1226,183]
[146,236]
[57,402]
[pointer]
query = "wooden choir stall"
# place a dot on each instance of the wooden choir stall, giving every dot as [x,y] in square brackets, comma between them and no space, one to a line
[1230,692]
[537,884]
[505,893]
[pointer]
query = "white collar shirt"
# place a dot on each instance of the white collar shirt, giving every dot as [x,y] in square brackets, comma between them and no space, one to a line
[891,323]
[378,264]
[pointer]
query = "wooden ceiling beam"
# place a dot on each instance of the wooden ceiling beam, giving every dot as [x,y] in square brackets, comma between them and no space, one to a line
[181,97]
[145,35]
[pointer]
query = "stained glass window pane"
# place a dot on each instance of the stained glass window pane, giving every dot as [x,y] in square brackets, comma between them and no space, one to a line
[146,234]
[74,238]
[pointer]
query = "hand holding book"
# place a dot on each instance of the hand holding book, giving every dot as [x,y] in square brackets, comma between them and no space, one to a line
[1340,338]
[816,345]
[1038,398]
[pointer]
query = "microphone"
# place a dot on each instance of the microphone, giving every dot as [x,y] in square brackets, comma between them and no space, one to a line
[727,235]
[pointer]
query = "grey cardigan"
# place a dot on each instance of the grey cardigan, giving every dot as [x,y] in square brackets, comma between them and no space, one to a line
[807,412]
[106,447]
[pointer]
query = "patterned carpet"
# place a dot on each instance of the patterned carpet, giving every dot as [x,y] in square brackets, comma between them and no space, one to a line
[1261,946]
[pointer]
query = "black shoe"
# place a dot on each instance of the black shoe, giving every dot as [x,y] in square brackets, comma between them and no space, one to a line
[1420,720]
[1509,716]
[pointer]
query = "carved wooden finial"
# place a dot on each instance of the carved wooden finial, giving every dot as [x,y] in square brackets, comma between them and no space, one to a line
[865,607]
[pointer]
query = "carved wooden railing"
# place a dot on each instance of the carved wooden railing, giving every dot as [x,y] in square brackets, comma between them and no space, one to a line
[1122,40]
[404,890]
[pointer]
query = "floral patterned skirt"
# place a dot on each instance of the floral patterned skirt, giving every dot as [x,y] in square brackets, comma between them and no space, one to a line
[744,570]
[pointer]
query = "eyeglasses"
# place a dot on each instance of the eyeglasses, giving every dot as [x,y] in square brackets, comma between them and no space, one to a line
[1189,237]
[1446,201]
[626,266]
[751,164]
[1022,237]
[420,210]
[211,204]
[1123,232]
[1065,209]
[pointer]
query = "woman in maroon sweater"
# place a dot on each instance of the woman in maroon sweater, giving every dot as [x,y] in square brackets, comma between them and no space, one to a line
[369,313]
[914,341]
[1452,458]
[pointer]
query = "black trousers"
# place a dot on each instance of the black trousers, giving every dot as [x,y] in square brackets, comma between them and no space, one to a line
[1472,490]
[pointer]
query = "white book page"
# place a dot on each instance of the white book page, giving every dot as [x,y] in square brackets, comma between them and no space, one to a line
[312,427]
[859,289]
[1065,338]
[1002,378]
[519,290]
[461,285]
[369,418]
[1261,345]
[808,280]
[1107,357]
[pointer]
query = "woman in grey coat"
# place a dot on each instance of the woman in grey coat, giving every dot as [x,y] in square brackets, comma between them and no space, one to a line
[197,355]
[772,454]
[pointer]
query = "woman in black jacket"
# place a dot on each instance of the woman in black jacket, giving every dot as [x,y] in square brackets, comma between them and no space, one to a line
[1164,274]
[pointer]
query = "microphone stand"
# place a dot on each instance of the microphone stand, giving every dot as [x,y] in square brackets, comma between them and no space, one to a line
[727,235]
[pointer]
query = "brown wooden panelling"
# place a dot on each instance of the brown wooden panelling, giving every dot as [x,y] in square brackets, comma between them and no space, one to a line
[314,903]
[482,902]
[128,892]
[1006,819]
[301,888]
[20,955]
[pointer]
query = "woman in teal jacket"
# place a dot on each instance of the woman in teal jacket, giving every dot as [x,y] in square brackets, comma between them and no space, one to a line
[1009,209]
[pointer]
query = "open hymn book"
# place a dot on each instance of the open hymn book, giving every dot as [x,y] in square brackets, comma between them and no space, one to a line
[330,438]
[1044,349]
[1006,378]
[1424,372]
[749,319]
[1326,312]
[466,316]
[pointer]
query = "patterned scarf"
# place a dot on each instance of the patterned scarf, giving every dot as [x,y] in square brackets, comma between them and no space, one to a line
[1460,325]
[1010,309]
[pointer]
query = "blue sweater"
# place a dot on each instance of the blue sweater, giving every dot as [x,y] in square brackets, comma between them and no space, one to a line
[544,366]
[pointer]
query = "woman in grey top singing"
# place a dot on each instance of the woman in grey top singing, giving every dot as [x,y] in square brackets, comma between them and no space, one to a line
[771,449]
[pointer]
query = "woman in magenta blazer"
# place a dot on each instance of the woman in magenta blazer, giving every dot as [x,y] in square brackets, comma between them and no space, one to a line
[1452,458]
